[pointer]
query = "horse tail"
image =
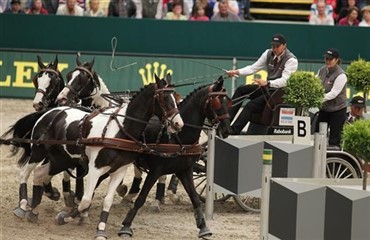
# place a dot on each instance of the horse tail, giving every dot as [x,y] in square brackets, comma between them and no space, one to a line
[21,129]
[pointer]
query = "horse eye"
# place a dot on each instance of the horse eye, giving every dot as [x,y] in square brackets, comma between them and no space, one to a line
[51,75]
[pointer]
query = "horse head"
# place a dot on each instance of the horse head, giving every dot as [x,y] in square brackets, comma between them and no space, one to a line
[85,85]
[217,110]
[167,105]
[48,83]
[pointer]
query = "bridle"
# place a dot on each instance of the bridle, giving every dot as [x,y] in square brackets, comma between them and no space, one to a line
[159,97]
[77,94]
[214,103]
[47,95]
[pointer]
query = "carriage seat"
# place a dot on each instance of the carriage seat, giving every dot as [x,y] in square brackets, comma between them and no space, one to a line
[270,114]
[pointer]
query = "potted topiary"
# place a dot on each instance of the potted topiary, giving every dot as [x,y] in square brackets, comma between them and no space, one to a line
[356,140]
[358,73]
[304,91]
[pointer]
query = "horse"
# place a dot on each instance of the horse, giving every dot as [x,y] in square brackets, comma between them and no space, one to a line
[209,102]
[71,137]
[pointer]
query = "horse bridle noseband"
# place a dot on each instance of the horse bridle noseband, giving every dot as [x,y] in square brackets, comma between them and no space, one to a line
[160,98]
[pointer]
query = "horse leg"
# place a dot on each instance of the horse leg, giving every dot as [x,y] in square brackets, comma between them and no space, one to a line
[24,174]
[186,178]
[126,230]
[115,180]
[79,183]
[92,179]
[68,194]
[135,187]
[51,192]
[172,188]
[41,175]
[159,194]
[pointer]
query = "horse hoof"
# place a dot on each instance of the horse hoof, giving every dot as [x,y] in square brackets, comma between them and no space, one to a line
[122,190]
[53,195]
[204,233]
[100,235]
[84,221]
[31,217]
[19,212]
[154,207]
[129,197]
[175,199]
[59,218]
[125,232]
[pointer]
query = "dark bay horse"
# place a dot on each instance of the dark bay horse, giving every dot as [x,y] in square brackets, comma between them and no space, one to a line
[93,140]
[209,102]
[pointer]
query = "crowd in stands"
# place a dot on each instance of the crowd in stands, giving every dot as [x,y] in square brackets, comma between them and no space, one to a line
[340,12]
[323,12]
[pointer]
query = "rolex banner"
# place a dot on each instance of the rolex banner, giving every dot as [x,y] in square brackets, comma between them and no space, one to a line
[123,73]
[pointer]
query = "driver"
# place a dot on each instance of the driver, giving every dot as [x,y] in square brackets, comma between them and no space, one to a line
[280,63]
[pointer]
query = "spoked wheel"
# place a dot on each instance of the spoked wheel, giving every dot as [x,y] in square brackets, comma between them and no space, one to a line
[340,168]
[200,178]
[250,201]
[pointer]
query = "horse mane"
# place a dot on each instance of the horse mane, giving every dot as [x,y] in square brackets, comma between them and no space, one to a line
[186,99]
[141,90]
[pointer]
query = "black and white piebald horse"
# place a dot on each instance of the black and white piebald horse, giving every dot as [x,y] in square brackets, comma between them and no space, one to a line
[48,83]
[84,85]
[209,102]
[70,137]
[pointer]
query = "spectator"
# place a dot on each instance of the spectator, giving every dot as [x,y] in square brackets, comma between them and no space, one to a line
[208,10]
[365,17]
[329,7]
[70,9]
[199,14]
[343,4]
[233,7]
[94,9]
[357,108]
[344,11]
[224,14]
[51,6]
[4,4]
[122,8]
[280,63]
[185,7]
[333,110]
[176,13]
[80,3]
[15,8]
[246,9]
[351,19]
[37,8]
[321,18]
[149,9]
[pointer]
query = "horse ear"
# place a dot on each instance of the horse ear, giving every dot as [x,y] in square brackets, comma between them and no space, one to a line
[168,78]
[39,61]
[92,63]
[55,64]
[157,80]
[219,84]
[78,62]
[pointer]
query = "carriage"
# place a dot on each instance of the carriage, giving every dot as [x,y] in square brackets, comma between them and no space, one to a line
[339,164]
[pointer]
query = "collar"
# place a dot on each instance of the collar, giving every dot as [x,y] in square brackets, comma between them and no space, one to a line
[280,56]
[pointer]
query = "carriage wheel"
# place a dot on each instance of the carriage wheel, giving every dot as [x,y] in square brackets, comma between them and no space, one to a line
[249,202]
[200,179]
[340,168]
